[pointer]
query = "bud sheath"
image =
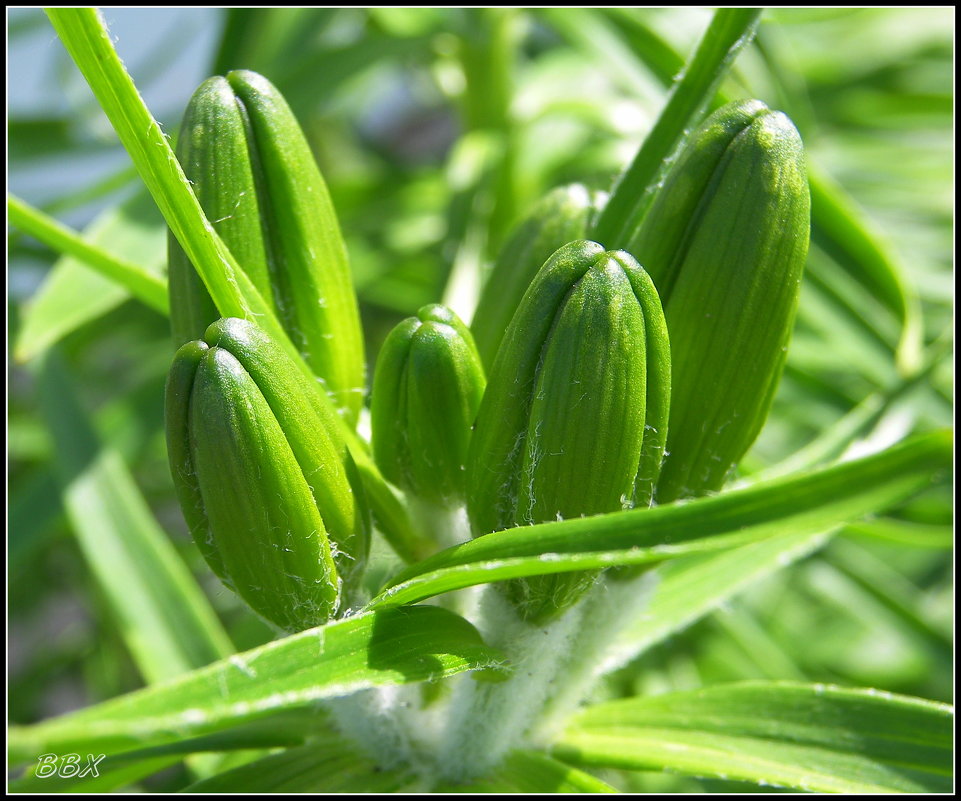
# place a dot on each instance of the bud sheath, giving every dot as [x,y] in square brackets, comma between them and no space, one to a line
[725,242]
[427,386]
[268,490]
[574,418]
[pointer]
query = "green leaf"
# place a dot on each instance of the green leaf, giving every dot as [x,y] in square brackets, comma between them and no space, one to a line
[164,618]
[112,775]
[327,765]
[74,294]
[730,30]
[84,34]
[816,738]
[395,646]
[286,729]
[141,283]
[533,772]
[808,503]
[838,226]
[905,532]
[693,587]
[844,232]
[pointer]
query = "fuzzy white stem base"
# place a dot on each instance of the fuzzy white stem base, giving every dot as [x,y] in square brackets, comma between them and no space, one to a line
[611,606]
[373,719]
[488,720]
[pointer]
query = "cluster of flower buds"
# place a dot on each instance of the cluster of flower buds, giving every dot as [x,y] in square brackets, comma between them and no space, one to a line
[611,385]
[256,179]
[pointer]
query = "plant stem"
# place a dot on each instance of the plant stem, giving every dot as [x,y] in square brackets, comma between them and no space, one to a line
[487,719]
[611,606]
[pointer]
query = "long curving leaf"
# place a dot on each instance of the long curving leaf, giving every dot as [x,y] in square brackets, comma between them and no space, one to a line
[811,737]
[905,532]
[141,283]
[86,38]
[730,30]
[84,34]
[165,620]
[395,646]
[844,231]
[838,226]
[329,764]
[284,730]
[809,503]
[73,294]
[693,587]
[534,772]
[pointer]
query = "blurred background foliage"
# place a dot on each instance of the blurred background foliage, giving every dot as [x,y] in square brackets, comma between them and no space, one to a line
[436,129]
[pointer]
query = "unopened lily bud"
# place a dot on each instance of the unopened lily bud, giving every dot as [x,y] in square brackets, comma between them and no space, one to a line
[574,417]
[256,179]
[269,491]
[725,242]
[428,384]
[561,216]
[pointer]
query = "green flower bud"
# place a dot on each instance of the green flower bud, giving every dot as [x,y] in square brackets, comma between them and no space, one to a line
[725,242]
[574,418]
[269,492]
[428,384]
[561,216]
[256,179]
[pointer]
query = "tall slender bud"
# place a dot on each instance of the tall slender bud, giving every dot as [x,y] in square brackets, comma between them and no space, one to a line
[574,418]
[428,384]
[269,492]
[256,179]
[725,242]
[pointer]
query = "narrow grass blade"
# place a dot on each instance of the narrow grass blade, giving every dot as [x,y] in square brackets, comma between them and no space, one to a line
[533,772]
[809,503]
[141,283]
[395,646]
[838,226]
[730,30]
[814,738]
[111,775]
[73,294]
[328,765]
[84,34]
[844,232]
[694,587]
[164,618]
[904,532]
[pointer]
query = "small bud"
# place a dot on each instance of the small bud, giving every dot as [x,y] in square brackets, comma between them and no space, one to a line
[256,179]
[574,417]
[561,216]
[725,242]
[427,386]
[269,492]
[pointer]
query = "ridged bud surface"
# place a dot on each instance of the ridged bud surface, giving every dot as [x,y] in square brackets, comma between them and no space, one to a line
[269,492]
[725,242]
[256,179]
[428,384]
[574,418]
